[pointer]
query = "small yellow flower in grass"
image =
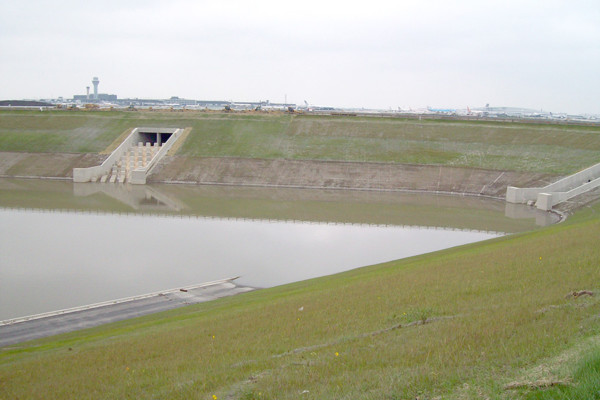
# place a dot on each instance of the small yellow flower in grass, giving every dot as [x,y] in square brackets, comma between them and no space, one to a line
[540,257]
[337,354]
[214,397]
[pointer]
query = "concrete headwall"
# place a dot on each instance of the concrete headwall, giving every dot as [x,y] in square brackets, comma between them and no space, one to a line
[521,195]
[81,175]
[564,189]
[138,176]
[545,201]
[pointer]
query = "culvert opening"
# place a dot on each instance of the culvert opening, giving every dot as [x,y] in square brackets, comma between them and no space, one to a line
[154,137]
[149,137]
[164,137]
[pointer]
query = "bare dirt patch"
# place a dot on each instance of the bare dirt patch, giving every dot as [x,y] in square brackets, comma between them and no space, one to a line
[342,175]
[319,174]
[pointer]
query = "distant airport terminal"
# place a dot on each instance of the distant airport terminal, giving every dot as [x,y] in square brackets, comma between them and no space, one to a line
[98,100]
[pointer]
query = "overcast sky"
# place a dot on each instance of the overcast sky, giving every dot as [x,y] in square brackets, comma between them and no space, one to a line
[372,54]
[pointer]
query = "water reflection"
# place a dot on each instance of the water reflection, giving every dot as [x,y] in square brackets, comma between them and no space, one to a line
[66,245]
[139,197]
[380,208]
[520,211]
[55,260]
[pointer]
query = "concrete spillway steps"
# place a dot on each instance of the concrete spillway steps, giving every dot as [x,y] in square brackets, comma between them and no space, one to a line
[136,157]
[133,159]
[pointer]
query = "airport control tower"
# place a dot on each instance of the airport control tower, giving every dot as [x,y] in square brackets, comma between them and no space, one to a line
[95,81]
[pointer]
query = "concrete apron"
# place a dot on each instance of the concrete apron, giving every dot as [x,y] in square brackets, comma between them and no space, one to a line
[52,323]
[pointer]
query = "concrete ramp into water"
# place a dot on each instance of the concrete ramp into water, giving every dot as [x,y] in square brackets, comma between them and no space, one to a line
[53,323]
[133,160]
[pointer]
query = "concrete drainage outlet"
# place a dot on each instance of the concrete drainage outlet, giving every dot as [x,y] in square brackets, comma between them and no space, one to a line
[133,160]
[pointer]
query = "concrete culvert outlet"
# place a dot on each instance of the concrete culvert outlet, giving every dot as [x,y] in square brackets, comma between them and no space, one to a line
[154,137]
[149,137]
[132,160]
[163,137]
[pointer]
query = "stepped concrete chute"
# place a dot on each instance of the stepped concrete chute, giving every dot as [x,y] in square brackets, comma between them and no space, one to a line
[562,190]
[134,158]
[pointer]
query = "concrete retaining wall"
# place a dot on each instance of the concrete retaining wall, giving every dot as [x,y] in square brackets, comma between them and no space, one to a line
[81,175]
[545,201]
[564,189]
[521,195]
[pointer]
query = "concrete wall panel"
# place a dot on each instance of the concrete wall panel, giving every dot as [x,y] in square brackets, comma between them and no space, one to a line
[557,192]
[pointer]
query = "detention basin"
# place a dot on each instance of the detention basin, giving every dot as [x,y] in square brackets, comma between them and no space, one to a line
[66,245]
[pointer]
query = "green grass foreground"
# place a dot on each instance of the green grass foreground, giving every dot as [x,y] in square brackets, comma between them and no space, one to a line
[455,324]
[554,149]
[585,385]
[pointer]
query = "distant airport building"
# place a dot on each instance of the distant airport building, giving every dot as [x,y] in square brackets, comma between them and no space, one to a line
[101,97]
[97,97]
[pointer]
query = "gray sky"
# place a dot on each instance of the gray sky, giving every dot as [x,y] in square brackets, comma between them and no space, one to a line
[373,54]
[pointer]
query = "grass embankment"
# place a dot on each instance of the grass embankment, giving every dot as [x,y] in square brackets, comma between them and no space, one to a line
[584,385]
[59,132]
[501,146]
[556,149]
[495,312]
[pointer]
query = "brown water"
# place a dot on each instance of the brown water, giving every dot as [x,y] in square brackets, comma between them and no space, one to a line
[67,249]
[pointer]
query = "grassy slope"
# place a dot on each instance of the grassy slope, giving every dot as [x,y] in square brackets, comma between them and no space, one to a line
[583,386]
[525,147]
[59,131]
[496,309]
[500,305]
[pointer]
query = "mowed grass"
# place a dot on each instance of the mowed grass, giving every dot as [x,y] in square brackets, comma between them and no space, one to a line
[459,323]
[503,146]
[556,149]
[60,132]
